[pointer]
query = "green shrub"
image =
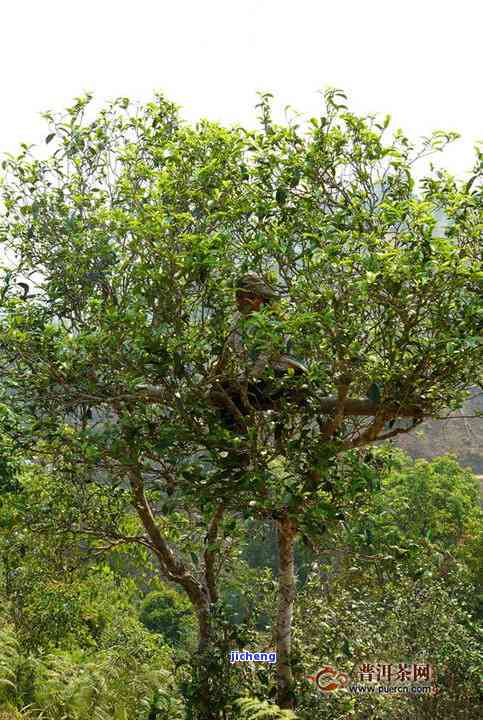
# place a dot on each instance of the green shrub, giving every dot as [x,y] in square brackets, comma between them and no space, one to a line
[169,614]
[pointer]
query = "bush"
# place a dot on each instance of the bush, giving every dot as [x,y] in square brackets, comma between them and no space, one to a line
[169,614]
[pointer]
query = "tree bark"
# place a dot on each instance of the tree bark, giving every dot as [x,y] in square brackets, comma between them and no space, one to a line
[286,543]
[351,407]
[354,407]
[201,594]
[206,647]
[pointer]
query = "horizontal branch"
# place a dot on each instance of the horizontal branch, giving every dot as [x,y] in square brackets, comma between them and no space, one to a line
[365,408]
[331,404]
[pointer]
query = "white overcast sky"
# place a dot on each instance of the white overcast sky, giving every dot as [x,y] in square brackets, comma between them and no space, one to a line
[420,60]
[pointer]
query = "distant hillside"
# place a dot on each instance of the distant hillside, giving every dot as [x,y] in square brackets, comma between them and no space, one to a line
[463,437]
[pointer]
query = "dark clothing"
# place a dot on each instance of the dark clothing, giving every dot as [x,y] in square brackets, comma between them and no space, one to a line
[243,367]
[262,395]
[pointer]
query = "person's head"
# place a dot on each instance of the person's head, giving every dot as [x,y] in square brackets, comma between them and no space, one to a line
[252,292]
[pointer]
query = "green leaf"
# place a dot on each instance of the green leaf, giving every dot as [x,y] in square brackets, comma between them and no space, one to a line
[281,195]
[374,393]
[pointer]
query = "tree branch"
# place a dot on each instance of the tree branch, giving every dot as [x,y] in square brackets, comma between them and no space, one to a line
[369,435]
[171,566]
[328,405]
[330,427]
[209,554]
[357,407]
[398,431]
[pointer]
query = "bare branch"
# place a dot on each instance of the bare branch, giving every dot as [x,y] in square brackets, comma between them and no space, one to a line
[369,435]
[331,426]
[171,566]
[397,431]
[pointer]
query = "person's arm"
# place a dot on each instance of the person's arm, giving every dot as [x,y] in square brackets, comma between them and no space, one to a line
[290,359]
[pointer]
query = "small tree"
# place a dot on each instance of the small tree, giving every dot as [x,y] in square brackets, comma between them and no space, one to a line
[130,236]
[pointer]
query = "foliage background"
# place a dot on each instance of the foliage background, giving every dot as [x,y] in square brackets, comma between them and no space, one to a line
[389,556]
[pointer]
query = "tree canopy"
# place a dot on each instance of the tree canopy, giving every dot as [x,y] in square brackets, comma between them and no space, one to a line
[129,237]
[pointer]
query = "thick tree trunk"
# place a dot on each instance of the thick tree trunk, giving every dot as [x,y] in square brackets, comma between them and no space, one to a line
[286,542]
[206,649]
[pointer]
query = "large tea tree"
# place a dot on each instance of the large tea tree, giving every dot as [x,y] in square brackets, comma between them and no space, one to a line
[129,238]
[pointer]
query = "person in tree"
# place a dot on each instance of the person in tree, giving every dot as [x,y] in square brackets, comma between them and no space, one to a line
[252,377]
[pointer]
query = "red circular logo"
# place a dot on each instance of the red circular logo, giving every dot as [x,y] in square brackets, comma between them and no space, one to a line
[329,679]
